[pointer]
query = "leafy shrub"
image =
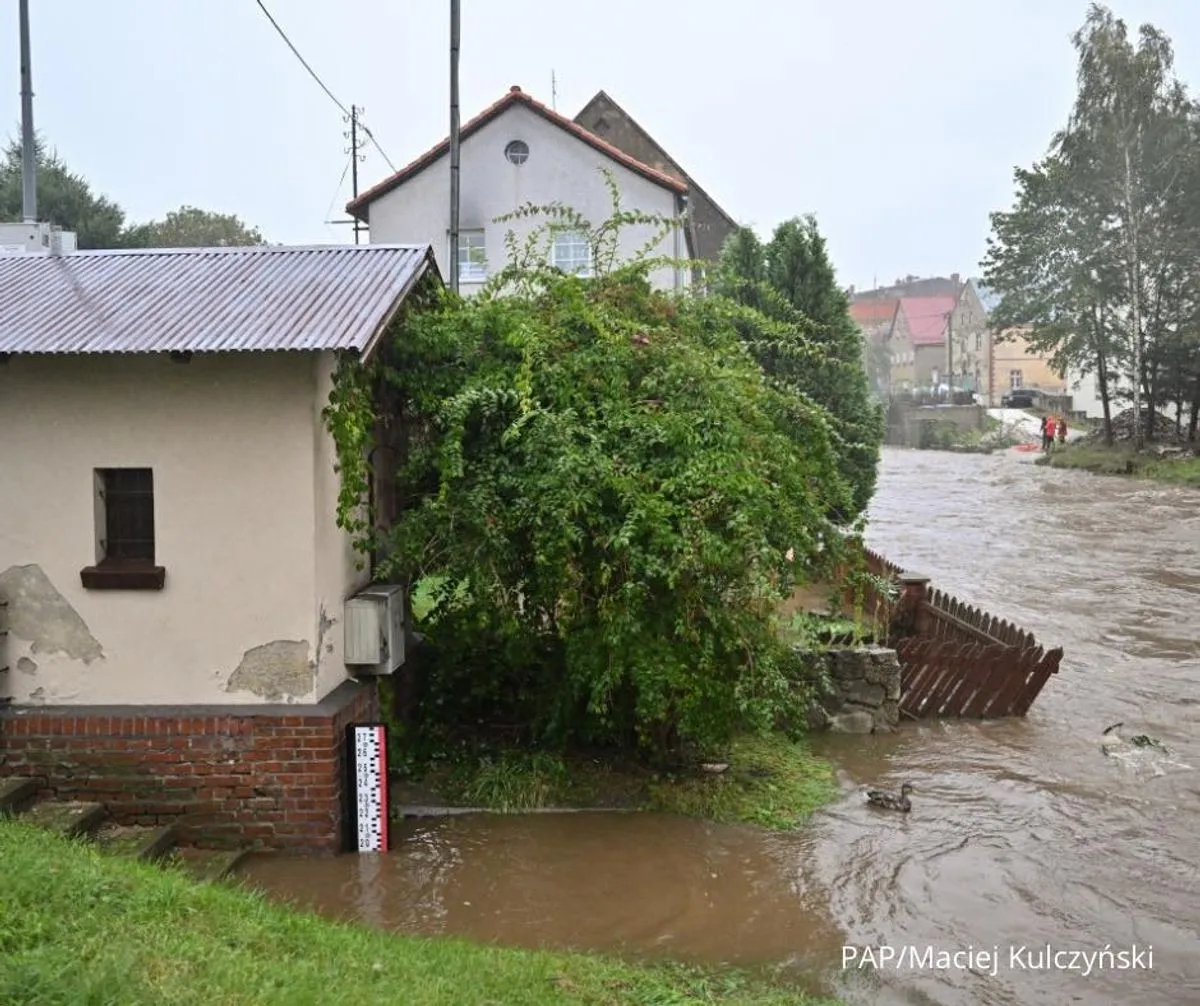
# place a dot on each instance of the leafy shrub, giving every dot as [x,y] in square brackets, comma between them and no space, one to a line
[610,500]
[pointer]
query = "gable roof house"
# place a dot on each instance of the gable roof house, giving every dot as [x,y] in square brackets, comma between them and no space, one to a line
[516,152]
[876,319]
[708,223]
[925,318]
[173,577]
[969,344]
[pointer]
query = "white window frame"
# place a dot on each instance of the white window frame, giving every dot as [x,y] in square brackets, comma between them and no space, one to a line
[572,253]
[1014,380]
[473,267]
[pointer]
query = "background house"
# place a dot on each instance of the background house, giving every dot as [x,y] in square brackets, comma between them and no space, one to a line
[169,552]
[969,344]
[516,152]
[1016,364]
[709,225]
[912,286]
[876,320]
[902,354]
[926,320]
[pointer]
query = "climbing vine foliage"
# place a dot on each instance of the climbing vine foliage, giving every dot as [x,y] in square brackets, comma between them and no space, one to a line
[607,499]
[350,417]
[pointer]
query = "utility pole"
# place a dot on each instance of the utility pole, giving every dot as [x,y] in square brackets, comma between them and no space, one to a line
[455,11]
[355,157]
[950,353]
[28,148]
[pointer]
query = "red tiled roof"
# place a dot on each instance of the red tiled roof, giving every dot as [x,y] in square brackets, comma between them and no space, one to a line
[926,318]
[874,311]
[358,207]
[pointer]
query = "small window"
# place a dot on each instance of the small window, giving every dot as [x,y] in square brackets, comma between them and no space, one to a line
[572,253]
[1014,380]
[125,543]
[517,152]
[978,341]
[472,257]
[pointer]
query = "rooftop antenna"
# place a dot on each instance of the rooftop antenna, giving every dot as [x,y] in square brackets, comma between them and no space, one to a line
[455,31]
[28,151]
[553,91]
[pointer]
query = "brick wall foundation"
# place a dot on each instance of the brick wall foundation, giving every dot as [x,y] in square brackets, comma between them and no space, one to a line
[265,777]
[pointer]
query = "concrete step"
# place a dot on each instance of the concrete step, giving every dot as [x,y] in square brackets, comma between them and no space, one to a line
[145,842]
[208,865]
[72,818]
[16,793]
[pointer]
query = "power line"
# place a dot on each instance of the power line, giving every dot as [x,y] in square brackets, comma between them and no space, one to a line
[371,136]
[320,83]
[337,192]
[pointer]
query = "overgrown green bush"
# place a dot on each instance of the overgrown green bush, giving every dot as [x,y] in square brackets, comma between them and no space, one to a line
[612,501]
[798,326]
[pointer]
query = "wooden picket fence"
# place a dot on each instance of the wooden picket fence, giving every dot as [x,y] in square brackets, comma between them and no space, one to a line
[956,660]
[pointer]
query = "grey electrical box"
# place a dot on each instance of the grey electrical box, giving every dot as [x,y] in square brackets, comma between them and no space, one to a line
[374,630]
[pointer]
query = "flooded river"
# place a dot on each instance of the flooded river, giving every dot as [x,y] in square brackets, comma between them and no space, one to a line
[1022,834]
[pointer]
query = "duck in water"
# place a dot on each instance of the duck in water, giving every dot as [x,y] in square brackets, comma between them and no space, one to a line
[887,800]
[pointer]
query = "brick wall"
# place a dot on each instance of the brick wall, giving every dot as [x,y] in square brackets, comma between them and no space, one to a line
[266,777]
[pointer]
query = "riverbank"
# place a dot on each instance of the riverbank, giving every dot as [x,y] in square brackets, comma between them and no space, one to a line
[771,782]
[994,435]
[1121,459]
[84,926]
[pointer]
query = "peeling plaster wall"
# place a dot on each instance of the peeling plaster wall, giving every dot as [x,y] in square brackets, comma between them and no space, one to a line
[230,438]
[335,560]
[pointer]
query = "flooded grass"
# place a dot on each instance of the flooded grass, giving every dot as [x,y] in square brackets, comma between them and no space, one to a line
[80,926]
[1123,460]
[772,782]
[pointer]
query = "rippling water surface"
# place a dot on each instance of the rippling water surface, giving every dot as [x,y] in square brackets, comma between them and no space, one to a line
[1022,833]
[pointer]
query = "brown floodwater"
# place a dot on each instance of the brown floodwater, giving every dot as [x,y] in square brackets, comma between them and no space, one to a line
[1023,833]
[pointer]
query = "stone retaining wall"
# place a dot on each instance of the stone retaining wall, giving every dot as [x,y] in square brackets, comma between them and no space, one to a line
[865,694]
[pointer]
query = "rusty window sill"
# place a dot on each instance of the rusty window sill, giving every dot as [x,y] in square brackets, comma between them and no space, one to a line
[122,576]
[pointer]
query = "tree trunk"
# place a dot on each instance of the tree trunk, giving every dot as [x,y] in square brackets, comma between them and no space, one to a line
[1150,398]
[1105,404]
[1102,373]
[1135,284]
[1195,419]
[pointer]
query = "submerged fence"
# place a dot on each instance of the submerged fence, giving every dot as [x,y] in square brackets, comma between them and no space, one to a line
[955,659]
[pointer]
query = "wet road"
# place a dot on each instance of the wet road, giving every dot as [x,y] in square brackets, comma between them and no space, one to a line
[1023,833]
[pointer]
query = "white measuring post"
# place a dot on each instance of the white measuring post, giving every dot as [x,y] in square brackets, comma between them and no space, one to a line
[366,745]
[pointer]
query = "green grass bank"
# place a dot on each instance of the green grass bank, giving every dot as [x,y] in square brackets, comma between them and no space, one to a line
[1122,459]
[80,927]
[771,782]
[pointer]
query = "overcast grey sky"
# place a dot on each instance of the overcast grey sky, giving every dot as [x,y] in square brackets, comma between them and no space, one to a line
[897,124]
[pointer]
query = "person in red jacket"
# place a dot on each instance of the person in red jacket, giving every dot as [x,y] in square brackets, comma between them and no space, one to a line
[1051,428]
[1061,429]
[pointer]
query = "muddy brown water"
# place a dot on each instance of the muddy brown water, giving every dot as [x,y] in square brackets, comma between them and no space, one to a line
[1023,833]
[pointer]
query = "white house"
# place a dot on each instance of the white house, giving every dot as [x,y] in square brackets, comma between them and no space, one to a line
[172,577]
[168,529]
[1084,390]
[519,152]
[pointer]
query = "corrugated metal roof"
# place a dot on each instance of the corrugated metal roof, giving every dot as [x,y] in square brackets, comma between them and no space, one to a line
[205,300]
